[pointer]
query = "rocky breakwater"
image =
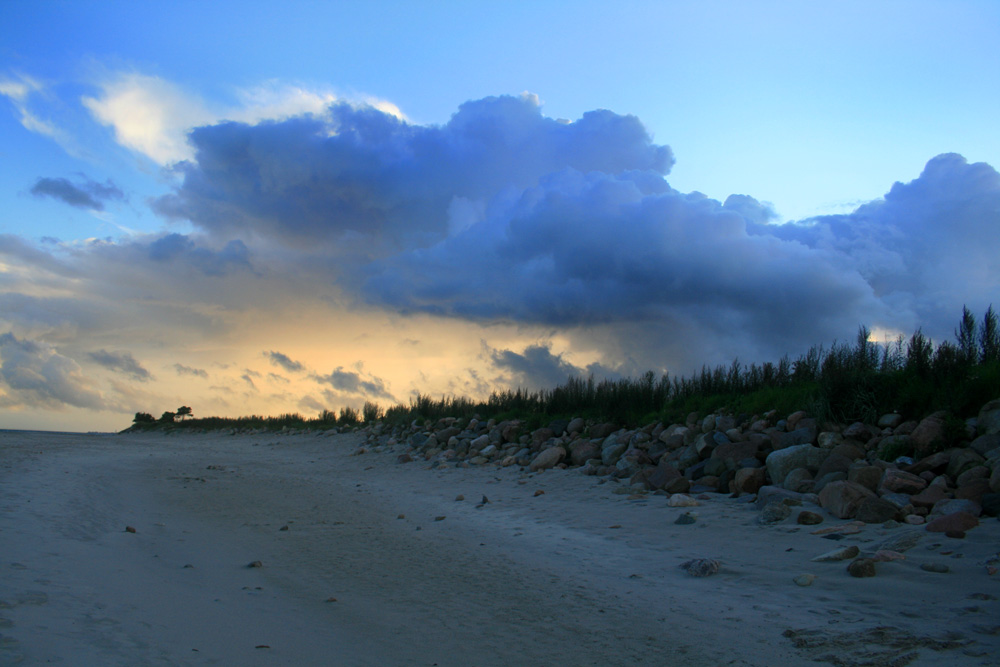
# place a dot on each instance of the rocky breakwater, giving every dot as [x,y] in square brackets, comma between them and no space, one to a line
[923,472]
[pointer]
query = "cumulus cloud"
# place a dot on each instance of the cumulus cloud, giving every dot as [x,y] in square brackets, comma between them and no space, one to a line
[188,370]
[365,181]
[89,194]
[279,359]
[354,383]
[34,374]
[121,361]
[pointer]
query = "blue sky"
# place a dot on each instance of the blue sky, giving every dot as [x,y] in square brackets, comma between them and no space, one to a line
[462,218]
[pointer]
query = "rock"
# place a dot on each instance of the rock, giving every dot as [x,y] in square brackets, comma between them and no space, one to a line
[807,518]
[129,529]
[769,494]
[898,481]
[732,453]
[775,512]
[540,492]
[876,510]
[700,567]
[858,431]
[929,434]
[887,556]
[865,475]
[575,425]
[802,436]
[749,480]
[892,447]
[995,480]
[610,453]
[681,500]
[962,460]
[548,458]
[404,458]
[952,505]
[935,462]
[781,462]
[256,563]
[459,497]
[914,519]
[990,503]
[582,451]
[985,443]
[891,420]
[862,567]
[929,496]
[662,475]
[988,421]
[973,489]
[940,568]
[843,553]
[799,480]
[685,519]
[842,499]
[829,439]
[835,462]
[959,522]
[804,579]
[901,541]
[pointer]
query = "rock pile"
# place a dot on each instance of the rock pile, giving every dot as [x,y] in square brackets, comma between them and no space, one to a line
[853,471]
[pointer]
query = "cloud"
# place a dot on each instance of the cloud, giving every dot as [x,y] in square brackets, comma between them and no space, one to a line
[87,195]
[279,359]
[34,374]
[536,367]
[19,90]
[187,370]
[361,182]
[352,383]
[121,361]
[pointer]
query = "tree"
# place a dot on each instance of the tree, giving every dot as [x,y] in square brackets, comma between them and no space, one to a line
[989,337]
[966,335]
[167,417]
[143,418]
[183,411]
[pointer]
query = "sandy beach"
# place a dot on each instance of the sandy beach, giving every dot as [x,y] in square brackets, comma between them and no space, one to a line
[360,560]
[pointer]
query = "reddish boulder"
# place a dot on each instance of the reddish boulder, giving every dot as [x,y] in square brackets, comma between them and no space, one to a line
[929,434]
[749,480]
[898,481]
[932,494]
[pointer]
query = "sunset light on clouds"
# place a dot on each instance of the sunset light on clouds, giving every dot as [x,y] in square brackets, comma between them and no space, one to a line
[254,209]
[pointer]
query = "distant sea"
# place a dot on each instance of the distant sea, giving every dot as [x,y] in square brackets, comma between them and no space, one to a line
[20,430]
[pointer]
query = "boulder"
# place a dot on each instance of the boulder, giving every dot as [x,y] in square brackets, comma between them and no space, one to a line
[891,420]
[985,443]
[834,463]
[749,480]
[988,421]
[782,461]
[601,431]
[582,451]
[734,452]
[662,475]
[799,480]
[858,431]
[842,499]
[929,496]
[575,425]
[876,510]
[952,505]
[929,434]
[548,458]
[865,475]
[962,460]
[959,522]
[802,436]
[610,453]
[898,481]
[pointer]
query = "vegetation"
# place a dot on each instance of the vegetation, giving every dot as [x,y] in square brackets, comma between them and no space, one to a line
[845,383]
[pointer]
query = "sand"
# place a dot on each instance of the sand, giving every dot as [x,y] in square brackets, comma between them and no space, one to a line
[365,561]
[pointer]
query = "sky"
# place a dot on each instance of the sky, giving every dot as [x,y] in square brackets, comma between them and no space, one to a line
[264,208]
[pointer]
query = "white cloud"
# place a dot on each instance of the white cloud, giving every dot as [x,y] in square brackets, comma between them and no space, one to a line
[153,116]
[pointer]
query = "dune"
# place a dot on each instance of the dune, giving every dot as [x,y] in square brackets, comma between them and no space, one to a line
[153,549]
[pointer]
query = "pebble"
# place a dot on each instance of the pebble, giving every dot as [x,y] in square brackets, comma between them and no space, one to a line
[700,567]
[843,528]
[804,579]
[439,518]
[129,529]
[459,497]
[685,519]
[901,541]
[539,492]
[255,563]
[774,513]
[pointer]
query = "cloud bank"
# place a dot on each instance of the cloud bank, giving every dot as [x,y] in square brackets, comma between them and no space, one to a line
[87,195]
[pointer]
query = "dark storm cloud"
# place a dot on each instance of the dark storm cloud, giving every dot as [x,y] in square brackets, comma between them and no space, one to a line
[279,359]
[359,171]
[34,374]
[180,248]
[121,361]
[89,194]
[349,382]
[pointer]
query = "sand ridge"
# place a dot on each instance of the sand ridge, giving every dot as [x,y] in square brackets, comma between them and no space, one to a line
[575,575]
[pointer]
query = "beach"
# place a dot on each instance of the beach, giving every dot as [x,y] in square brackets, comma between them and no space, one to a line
[272,549]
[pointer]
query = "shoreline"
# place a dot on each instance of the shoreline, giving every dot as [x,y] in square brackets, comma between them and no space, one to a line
[576,574]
